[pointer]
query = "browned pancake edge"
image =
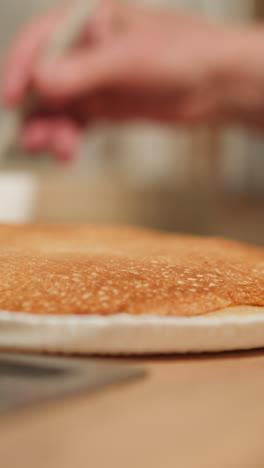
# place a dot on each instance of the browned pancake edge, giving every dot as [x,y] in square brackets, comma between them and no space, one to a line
[84,270]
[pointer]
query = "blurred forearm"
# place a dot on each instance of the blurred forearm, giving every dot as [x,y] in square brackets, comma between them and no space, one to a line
[239,77]
[136,63]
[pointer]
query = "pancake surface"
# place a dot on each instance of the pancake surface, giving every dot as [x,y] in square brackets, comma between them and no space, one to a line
[96,270]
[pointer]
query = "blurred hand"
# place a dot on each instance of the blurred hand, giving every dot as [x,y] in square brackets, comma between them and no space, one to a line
[130,63]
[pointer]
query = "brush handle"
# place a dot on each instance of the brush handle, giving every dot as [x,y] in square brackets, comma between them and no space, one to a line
[65,37]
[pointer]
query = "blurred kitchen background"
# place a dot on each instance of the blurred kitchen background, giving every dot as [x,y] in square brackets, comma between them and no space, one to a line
[201,181]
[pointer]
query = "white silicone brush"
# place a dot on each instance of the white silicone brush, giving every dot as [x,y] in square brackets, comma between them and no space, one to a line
[65,37]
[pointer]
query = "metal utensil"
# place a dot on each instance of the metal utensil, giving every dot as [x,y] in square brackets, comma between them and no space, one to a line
[66,36]
[27,380]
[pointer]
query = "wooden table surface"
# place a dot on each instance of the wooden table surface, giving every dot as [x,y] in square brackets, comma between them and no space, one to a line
[194,412]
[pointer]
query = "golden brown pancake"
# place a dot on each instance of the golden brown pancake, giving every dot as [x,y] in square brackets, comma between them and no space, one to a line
[97,270]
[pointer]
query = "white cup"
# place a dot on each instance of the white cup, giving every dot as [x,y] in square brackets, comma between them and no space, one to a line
[17,197]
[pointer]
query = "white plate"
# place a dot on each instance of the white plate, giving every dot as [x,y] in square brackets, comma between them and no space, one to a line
[237,328]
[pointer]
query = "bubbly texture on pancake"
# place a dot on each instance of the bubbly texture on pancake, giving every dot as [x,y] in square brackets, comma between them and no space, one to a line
[111,270]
